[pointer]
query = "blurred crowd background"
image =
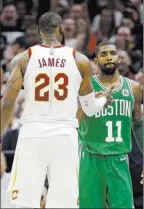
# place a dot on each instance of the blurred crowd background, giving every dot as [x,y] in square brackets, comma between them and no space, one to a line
[86,23]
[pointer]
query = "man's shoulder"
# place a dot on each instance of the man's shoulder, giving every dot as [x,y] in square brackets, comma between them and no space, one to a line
[134,84]
[20,61]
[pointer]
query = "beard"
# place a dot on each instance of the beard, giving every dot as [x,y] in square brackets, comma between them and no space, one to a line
[108,70]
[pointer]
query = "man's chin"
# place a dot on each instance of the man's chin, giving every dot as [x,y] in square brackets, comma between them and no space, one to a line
[108,71]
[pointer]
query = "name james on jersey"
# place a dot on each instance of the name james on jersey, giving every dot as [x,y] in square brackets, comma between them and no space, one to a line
[51,62]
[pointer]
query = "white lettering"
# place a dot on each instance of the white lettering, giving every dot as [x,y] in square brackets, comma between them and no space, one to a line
[104,112]
[116,106]
[110,110]
[127,108]
[122,107]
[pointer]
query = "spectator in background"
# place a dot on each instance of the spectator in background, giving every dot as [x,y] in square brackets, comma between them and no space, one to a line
[130,17]
[139,6]
[70,31]
[60,7]
[106,22]
[123,38]
[32,36]
[74,37]
[125,68]
[3,47]
[19,45]
[106,27]
[139,77]
[9,141]
[79,12]
[10,24]
[28,20]
[23,7]
[125,58]
[126,41]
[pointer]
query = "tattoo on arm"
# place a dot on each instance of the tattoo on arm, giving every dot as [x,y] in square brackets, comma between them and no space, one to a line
[12,82]
[12,89]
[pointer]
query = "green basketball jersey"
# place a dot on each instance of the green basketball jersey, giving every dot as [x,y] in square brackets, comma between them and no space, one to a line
[109,131]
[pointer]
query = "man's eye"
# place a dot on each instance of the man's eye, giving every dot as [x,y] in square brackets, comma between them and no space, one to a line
[113,53]
[103,54]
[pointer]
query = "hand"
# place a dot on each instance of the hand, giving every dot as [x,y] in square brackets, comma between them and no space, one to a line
[108,96]
[99,94]
[142,181]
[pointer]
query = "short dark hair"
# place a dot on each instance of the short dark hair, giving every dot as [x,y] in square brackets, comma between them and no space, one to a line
[49,21]
[21,41]
[103,43]
[9,3]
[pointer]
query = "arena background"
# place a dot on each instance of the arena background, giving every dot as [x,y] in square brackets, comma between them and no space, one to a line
[86,23]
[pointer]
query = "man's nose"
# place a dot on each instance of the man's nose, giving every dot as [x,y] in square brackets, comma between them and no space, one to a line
[109,58]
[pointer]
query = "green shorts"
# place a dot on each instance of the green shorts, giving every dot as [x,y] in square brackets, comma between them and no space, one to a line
[104,181]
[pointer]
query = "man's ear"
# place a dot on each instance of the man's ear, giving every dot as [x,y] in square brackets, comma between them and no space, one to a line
[60,34]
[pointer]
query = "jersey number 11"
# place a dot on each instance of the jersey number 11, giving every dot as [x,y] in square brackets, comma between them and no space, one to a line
[110,137]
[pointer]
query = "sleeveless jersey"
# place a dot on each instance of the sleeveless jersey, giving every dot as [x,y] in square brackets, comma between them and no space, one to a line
[51,84]
[109,131]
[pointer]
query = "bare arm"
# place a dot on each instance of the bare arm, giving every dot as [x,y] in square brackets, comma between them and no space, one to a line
[80,113]
[138,123]
[89,104]
[84,67]
[137,113]
[13,86]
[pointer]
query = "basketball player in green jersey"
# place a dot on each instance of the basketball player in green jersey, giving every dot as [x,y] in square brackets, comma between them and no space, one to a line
[105,138]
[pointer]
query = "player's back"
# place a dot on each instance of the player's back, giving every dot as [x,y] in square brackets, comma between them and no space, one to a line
[51,83]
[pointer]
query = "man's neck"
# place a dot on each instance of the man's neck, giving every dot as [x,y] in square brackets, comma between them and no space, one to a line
[109,79]
[51,41]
